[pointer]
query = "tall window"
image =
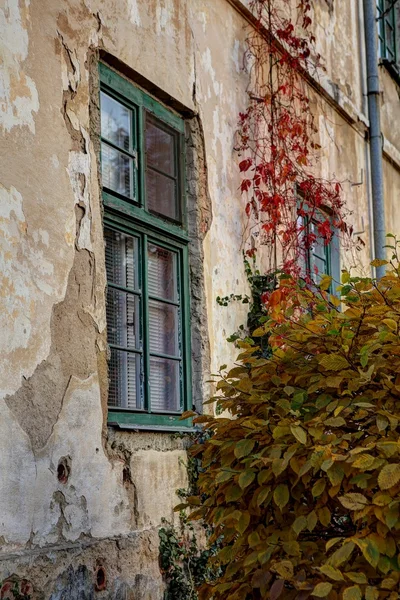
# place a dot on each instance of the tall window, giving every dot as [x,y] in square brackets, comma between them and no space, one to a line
[321,258]
[386,14]
[146,256]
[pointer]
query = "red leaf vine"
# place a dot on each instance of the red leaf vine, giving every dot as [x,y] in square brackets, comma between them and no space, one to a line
[277,144]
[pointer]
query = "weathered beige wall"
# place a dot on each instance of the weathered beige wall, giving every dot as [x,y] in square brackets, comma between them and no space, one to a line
[52,316]
[52,347]
[338,27]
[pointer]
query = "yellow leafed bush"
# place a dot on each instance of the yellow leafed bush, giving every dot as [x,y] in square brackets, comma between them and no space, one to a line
[300,482]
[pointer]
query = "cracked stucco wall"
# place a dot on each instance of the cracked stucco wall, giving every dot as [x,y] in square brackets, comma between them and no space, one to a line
[74,495]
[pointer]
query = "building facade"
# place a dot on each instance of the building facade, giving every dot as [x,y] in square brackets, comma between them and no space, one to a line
[121,221]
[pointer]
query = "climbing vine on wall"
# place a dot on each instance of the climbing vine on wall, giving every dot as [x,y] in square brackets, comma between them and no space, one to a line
[184,555]
[277,145]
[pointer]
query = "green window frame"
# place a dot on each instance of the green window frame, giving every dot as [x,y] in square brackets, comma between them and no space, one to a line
[147,261]
[386,15]
[321,258]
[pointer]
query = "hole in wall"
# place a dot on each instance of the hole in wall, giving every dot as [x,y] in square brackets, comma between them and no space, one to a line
[126,475]
[64,469]
[100,579]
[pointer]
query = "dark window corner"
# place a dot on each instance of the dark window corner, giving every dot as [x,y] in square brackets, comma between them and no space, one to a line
[393,69]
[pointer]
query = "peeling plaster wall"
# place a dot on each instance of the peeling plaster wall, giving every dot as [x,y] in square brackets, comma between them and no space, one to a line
[74,495]
[345,81]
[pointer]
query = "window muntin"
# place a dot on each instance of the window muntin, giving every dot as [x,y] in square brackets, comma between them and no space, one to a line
[146,257]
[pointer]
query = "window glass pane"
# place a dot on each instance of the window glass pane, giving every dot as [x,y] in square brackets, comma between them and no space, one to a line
[162,277]
[116,170]
[163,328]
[319,267]
[389,36]
[123,319]
[115,122]
[122,259]
[160,147]
[164,384]
[319,257]
[162,195]
[125,387]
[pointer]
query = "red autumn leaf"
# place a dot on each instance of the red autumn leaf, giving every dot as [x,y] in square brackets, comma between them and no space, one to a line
[245,185]
[245,164]
[251,252]
[325,230]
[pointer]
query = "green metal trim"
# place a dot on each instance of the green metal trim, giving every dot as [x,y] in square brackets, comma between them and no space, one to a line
[118,223]
[121,288]
[142,159]
[153,419]
[158,110]
[186,331]
[182,180]
[166,356]
[130,154]
[141,217]
[119,85]
[126,349]
[164,300]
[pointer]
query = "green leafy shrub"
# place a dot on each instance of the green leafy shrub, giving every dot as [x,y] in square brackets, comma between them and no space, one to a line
[184,562]
[301,481]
